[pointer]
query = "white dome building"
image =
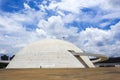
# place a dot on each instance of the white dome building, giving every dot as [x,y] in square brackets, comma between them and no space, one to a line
[50,53]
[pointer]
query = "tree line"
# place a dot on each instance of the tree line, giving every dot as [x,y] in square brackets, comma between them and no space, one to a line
[5,57]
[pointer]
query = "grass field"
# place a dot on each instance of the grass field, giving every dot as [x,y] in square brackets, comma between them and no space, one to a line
[61,74]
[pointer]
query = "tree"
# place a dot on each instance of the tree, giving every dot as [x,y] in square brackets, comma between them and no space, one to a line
[4,57]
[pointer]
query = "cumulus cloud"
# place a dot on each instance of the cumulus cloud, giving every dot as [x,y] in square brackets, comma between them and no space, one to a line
[56,20]
[26,6]
[115,3]
[2,51]
[101,41]
[55,27]
[14,33]
[111,15]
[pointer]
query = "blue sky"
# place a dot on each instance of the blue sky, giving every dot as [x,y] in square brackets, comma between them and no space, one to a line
[92,25]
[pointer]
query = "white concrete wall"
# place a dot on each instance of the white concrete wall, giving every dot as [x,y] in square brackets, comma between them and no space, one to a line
[48,54]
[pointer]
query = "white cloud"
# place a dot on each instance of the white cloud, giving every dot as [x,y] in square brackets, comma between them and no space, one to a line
[2,51]
[13,30]
[26,6]
[111,15]
[41,33]
[73,6]
[115,3]
[13,33]
[69,18]
[102,25]
[6,23]
[101,41]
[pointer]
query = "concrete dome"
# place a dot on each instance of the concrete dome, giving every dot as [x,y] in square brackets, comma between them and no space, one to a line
[49,53]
